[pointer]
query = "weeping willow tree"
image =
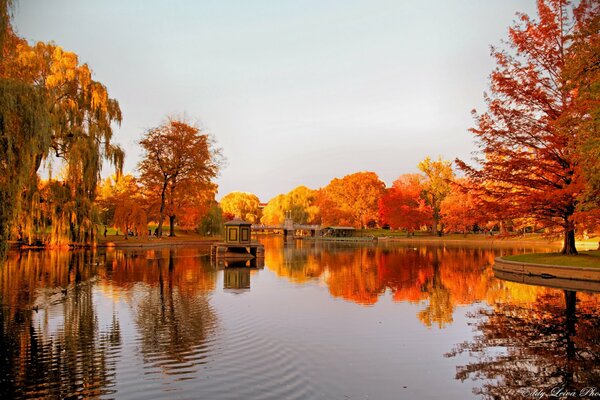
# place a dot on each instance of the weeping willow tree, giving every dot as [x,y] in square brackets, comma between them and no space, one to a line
[80,118]
[24,133]
[5,8]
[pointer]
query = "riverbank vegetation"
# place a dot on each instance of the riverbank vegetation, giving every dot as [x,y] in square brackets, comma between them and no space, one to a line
[537,171]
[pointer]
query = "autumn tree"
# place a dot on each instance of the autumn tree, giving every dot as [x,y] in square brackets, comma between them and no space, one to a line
[24,132]
[299,202]
[527,136]
[459,211]
[355,195]
[212,221]
[403,206]
[241,205]
[121,200]
[274,211]
[80,118]
[582,76]
[176,155]
[190,204]
[436,187]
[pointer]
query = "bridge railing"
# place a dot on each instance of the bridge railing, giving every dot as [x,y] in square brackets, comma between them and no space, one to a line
[281,227]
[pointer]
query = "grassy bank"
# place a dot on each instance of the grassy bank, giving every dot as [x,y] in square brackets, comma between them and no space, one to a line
[532,238]
[583,259]
[180,238]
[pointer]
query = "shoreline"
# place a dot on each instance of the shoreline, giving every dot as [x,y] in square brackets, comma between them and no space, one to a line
[426,240]
[546,271]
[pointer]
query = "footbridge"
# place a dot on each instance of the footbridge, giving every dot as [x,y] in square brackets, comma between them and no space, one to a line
[289,229]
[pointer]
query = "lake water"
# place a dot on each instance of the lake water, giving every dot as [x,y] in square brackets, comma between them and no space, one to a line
[318,321]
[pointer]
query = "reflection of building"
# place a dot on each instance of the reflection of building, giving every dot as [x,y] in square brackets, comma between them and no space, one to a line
[239,263]
[236,280]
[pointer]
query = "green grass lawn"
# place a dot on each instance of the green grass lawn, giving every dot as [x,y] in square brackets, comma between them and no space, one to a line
[583,259]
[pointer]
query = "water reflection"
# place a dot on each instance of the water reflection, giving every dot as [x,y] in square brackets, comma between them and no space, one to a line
[439,278]
[55,343]
[236,280]
[545,346]
[159,323]
[51,342]
[174,318]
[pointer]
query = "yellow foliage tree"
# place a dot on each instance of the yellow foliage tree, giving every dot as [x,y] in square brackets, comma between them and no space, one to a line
[241,205]
[300,202]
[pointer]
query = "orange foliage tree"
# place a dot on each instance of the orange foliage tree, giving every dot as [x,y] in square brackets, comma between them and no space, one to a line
[121,200]
[178,159]
[352,199]
[527,137]
[402,206]
[460,210]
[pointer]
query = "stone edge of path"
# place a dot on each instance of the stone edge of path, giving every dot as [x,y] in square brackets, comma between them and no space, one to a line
[547,270]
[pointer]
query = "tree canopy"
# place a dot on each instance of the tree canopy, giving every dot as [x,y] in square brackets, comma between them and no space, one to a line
[439,176]
[352,199]
[300,202]
[403,206]
[241,205]
[529,146]
[179,160]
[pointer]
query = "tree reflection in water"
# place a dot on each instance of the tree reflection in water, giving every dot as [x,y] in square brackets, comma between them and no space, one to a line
[528,340]
[51,344]
[175,321]
[55,344]
[528,348]
[435,277]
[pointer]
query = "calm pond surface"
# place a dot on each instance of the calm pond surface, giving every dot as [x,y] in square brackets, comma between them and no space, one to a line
[319,321]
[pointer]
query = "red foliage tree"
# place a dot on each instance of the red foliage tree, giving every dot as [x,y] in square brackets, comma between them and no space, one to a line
[403,206]
[460,210]
[529,165]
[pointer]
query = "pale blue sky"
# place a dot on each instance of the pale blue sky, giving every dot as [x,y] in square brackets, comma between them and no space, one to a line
[295,92]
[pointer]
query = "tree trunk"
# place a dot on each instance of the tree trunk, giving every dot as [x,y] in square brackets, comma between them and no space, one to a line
[162,209]
[434,227]
[171,225]
[569,242]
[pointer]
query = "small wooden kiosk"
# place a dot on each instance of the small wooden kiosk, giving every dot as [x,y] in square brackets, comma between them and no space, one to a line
[238,244]
[237,231]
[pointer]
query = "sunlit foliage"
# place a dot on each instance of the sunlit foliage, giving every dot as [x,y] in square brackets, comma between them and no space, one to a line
[439,176]
[300,203]
[403,205]
[459,210]
[528,136]
[24,133]
[351,200]
[241,205]
[177,168]
[122,203]
[79,115]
